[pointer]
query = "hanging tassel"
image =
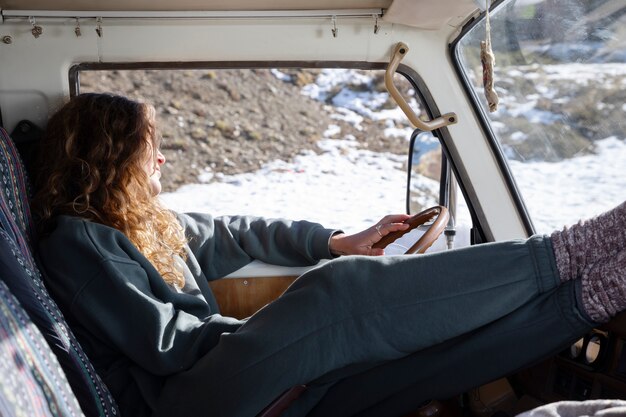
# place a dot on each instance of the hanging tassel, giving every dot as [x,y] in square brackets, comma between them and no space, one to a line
[488,61]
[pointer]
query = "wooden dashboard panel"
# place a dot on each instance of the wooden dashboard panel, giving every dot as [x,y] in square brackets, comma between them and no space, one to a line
[242,297]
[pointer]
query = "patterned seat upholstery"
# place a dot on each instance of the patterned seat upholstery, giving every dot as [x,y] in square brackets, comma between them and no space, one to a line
[16,219]
[26,284]
[33,383]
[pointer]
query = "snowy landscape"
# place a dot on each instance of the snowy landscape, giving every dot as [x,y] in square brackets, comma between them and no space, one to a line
[356,186]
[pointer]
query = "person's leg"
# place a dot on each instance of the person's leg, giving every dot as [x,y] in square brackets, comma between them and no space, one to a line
[359,310]
[390,390]
[513,342]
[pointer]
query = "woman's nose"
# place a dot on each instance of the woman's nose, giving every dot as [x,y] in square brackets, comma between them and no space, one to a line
[160,158]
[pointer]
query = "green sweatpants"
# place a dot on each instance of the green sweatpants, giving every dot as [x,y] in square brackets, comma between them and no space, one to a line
[378,336]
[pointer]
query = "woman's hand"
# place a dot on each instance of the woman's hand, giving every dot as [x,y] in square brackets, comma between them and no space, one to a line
[361,243]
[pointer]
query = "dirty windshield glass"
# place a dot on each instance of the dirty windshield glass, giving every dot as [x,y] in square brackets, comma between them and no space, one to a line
[560,74]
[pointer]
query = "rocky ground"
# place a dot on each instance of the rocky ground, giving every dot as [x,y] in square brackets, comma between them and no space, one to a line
[233,121]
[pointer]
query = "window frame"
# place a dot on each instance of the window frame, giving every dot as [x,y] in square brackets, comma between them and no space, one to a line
[483,121]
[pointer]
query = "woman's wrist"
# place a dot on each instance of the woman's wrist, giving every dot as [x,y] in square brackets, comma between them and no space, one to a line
[335,244]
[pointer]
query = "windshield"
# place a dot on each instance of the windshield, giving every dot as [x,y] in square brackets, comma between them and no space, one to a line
[560,74]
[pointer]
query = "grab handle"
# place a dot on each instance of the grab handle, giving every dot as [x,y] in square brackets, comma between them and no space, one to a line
[425,125]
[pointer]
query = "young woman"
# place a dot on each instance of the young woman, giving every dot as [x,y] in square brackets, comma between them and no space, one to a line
[368,335]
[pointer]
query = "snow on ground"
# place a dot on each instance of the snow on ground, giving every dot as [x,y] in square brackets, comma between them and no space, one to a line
[352,106]
[557,194]
[343,187]
[601,75]
[583,73]
[350,188]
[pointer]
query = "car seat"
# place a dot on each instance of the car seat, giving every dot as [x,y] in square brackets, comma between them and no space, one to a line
[23,278]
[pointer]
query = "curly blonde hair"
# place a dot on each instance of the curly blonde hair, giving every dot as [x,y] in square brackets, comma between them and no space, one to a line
[92,166]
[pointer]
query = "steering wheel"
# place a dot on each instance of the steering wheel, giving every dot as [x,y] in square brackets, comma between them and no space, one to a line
[441,215]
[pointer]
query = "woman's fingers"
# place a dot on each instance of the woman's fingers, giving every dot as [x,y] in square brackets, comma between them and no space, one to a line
[361,243]
[385,228]
[394,218]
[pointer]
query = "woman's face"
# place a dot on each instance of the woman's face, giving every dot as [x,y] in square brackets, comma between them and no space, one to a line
[152,167]
[154,160]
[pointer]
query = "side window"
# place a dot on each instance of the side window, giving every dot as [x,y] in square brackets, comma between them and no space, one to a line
[324,145]
[560,74]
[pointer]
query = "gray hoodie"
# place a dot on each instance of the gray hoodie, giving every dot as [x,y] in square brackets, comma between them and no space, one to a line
[136,329]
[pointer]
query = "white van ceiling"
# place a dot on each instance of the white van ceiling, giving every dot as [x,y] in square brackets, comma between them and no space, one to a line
[193,4]
[425,14]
